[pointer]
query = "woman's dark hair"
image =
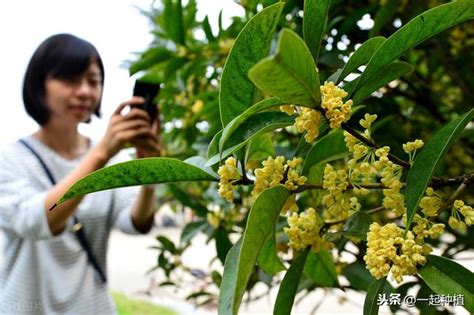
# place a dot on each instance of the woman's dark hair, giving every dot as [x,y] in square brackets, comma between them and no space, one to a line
[61,56]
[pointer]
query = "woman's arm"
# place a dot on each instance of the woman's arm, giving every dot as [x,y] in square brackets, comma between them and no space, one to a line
[122,129]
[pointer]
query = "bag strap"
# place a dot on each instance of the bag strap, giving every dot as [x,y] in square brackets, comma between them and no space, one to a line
[78,228]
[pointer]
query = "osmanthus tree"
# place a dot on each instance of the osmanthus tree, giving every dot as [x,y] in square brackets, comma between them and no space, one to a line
[309,161]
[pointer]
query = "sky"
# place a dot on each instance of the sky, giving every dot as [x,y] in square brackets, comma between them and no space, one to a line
[116,28]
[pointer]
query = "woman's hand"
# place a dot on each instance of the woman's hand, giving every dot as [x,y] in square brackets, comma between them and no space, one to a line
[129,128]
[149,145]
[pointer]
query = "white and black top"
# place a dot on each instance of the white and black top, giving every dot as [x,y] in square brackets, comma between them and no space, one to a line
[46,274]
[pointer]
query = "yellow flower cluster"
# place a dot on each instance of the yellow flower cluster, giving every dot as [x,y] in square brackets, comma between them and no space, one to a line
[455,220]
[289,109]
[338,205]
[431,203]
[425,228]
[391,174]
[388,249]
[273,172]
[337,112]
[304,230]
[413,146]
[308,121]
[228,174]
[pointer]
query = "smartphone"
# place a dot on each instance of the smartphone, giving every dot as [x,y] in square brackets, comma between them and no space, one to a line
[148,91]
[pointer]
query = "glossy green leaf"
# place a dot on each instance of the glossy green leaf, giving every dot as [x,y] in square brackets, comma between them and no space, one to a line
[445,277]
[229,283]
[360,57]
[291,74]
[419,29]
[237,121]
[428,160]
[136,172]
[314,23]
[200,162]
[320,268]
[237,93]
[254,126]
[268,259]
[260,148]
[389,73]
[191,230]
[370,303]
[149,58]
[329,148]
[213,147]
[357,225]
[261,222]
[289,285]
[173,20]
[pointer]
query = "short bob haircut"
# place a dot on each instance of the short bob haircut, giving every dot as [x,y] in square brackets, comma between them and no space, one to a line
[61,56]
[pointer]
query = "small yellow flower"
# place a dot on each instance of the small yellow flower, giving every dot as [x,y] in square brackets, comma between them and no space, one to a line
[228,174]
[389,249]
[337,112]
[304,230]
[197,106]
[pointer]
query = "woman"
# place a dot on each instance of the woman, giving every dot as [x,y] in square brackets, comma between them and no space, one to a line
[50,264]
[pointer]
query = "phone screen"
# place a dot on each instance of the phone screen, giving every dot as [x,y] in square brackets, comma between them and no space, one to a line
[148,91]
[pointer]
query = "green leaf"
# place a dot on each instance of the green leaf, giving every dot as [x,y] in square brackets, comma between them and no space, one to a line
[289,285]
[213,147]
[329,148]
[192,229]
[167,244]
[268,259]
[229,283]
[419,29]
[136,172]
[358,276]
[223,243]
[207,29]
[200,162]
[370,303]
[237,121]
[389,73]
[237,93]
[320,268]
[261,222]
[260,147]
[314,23]
[445,277]
[148,59]
[188,200]
[360,57]
[428,159]
[383,16]
[357,225]
[291,74]
[173,21]
[254,126]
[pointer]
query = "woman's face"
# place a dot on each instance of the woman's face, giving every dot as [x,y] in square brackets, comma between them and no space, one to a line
[74,100]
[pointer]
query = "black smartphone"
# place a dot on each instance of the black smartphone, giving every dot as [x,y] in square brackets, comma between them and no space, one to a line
[148,91]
